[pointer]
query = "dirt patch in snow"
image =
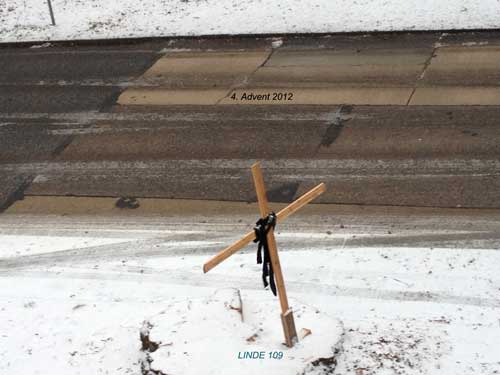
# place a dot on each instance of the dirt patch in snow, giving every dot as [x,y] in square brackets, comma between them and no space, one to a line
[404,347]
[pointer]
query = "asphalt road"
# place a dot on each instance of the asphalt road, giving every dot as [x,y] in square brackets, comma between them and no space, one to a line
[62,132]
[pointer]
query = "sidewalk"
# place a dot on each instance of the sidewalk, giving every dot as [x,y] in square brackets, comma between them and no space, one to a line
[422,72]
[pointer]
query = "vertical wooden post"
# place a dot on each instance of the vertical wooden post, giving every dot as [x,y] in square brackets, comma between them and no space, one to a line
[286,312]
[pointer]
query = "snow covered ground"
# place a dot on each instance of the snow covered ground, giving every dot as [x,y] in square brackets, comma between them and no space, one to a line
[79,309]
[19,245]
[29,20]
[252,326]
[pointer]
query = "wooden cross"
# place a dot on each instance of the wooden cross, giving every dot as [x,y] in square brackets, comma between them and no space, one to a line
[286,312]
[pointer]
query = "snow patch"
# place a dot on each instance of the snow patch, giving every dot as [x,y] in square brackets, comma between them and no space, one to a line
[277,42]
[21,245]
[29,20]
[211,335]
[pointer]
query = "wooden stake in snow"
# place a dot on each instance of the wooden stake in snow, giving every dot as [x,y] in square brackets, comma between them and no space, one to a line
[286,313]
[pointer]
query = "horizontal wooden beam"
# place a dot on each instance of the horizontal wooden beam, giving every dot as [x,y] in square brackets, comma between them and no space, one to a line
[228,251]
[250,236]
[301,202]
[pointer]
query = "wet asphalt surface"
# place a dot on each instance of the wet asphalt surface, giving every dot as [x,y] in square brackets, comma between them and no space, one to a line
[62,133]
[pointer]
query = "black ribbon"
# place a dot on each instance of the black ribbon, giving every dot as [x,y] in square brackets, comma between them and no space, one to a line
[262,228]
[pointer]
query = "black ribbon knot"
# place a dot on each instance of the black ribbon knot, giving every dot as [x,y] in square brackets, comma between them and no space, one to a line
[262,228]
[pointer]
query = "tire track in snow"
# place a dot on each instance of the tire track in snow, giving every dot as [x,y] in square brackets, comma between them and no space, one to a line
[149,275]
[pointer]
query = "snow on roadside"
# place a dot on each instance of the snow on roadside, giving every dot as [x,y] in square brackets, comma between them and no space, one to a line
[442,275]
[70,325]
[28,20]
[20,245]
[404,310]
